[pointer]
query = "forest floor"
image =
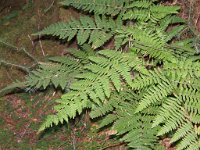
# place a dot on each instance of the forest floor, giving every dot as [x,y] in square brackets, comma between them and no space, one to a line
[21,114]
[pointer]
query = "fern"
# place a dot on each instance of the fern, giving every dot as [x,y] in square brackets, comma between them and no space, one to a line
[179,102]
[148,11]
[137,132]
[86,30]
[110,7]
[148,89]
[60,71]
[95,85]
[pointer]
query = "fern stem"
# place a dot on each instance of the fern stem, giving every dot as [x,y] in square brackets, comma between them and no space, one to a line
[81,29]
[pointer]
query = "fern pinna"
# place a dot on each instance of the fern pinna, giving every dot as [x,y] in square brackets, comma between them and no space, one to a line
[147,87]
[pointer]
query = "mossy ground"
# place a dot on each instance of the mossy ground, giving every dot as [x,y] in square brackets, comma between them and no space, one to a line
[21,114]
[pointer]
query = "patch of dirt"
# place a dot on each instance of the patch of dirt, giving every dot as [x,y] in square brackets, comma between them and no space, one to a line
[190,10]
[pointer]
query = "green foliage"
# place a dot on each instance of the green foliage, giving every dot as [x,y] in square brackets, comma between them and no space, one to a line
[96,82]
[110,7]
[149,90]
[119,111]
[59,71]
[177,92]
[95,32]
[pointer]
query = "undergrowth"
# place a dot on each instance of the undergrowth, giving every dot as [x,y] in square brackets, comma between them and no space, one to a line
[146,88]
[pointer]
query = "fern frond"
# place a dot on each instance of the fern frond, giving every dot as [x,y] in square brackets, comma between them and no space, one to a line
[184,69]
[182,132]
[136,131]
[85,29]
[160,11]
[137,14]
[147,41]
[106,7]
[60,71]
[66,109]
[155,94]
[91,87]
[191,100]
[152,77]
[147,10]
[140,4]
[174,32]
[176,118]
[190,141]
[118,112]
[170,20]
[183,48]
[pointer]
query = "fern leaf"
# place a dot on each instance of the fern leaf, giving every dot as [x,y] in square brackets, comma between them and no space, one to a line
[155,94]
[108,120]
[182,132]
[85,29]
[109,7]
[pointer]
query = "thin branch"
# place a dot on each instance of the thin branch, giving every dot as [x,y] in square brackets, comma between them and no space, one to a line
[39,37]
[51,5]
[29,55]
[23,68]
[111,146]
[19,49]
[8,45]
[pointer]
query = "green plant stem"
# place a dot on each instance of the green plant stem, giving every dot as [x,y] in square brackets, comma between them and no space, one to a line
[81,29]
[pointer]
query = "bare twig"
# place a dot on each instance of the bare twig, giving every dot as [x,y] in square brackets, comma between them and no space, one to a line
[8,75]
[23,68]
[39,37]
[32,42]
[73,135]
[73,140]
[51,5]
[111,146]
[192,26]
[25,131]
[19,49]
[41,46]
[61,145]
[8,45]
[29,55]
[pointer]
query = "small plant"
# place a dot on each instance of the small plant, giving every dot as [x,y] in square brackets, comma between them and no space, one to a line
[146,87]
